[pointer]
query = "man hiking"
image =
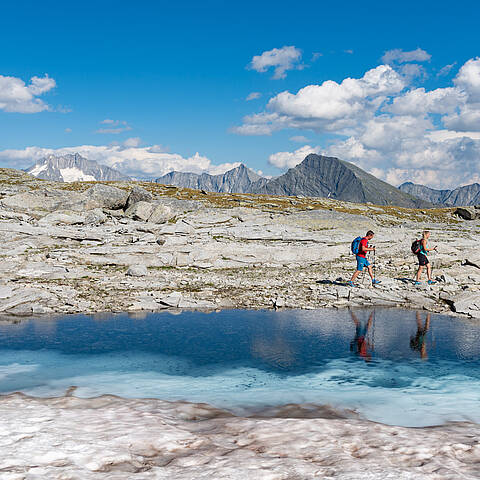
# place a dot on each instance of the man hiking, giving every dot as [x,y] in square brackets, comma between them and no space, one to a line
[362,261]
[422,255]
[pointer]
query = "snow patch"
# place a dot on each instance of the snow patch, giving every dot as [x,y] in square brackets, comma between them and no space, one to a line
[37,169]
[75,175]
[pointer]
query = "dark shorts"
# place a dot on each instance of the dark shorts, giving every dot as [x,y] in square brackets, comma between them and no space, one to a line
[422,259]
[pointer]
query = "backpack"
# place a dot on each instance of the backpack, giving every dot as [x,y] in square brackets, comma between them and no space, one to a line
[416,246]
[356,245]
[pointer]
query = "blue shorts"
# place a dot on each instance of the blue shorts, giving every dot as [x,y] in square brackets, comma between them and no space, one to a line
[362,262]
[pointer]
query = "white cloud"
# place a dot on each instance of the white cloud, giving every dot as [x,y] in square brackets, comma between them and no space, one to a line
[281,59]
[299,138]
[253,96]
[397,55]
[468,78]
[114,126]
[138,162]
[330,106]
[16,96]
[291,159]
[68,130]
[386,126]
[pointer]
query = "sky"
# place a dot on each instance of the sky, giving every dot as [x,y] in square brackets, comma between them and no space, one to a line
[152,86]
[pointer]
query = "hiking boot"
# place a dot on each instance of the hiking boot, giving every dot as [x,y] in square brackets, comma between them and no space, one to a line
[376,282]
[431,282]
[350,284]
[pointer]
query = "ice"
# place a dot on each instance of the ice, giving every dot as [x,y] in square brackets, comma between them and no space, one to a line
[75,175]
[406,394]
[114,438]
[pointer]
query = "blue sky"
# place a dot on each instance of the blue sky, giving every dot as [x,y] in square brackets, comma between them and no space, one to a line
[175,77]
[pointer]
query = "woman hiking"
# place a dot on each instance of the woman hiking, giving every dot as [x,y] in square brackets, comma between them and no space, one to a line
[423,259]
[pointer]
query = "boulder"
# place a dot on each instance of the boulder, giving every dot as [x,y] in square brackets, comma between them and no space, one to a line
[467,213]
[161,214]
[105,196]
[95,217]
[137,271]
[139,211]
[138,194]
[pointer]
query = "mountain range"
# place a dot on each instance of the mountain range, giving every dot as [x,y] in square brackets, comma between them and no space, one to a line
[73,168]
[466,195]
[316,176]
[238,180]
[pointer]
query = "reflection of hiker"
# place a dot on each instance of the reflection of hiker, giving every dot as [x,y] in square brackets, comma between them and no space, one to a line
[420,248]
[360,344]
[419,341]
[360,248]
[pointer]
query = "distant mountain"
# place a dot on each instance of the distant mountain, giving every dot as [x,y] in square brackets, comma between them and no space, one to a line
[466,195]
[237,180]
[73,168]
[320,176]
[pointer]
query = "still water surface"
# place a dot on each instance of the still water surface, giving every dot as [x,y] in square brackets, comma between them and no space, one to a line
[392,366]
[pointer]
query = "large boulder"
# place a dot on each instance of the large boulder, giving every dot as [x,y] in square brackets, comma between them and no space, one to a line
[161,214]
[467,303]
[105,196]
[138,194]
[139,211]
[467,213]
[95,217]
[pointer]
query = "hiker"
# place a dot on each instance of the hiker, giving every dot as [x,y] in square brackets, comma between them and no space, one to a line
[360,248]
[422,252]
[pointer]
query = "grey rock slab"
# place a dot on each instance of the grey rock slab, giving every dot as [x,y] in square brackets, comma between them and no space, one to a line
[62,217]
[138,194]
[137,271]
[139,211]
[171,300]
[466,302]
[22,300]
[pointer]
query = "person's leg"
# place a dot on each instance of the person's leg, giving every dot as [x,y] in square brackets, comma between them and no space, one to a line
[419,272]
[355,275]
[429,272]
[370,271]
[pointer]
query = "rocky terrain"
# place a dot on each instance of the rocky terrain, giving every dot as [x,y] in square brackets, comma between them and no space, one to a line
[466,195]
[72,168]
[126,246]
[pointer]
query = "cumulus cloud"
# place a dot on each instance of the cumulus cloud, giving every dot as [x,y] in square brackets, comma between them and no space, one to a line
[291,159]
[114,126]
[140,162]
[385,125]
[398,55]
[17,96]
[281,59]
[253,96]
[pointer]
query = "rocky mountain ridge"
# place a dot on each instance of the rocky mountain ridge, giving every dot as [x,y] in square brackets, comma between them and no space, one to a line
[237,180]
[465,196]
[73,168]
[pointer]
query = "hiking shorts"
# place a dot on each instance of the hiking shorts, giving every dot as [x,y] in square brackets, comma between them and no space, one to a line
[422,259]
[362,262]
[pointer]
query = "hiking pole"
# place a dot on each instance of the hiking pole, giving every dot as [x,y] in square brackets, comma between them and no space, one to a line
[374,265]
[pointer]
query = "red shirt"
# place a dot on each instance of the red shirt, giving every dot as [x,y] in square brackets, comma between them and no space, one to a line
[362,246]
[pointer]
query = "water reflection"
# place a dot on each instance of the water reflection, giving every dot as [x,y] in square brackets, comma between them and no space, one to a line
[363,342]
[418,342]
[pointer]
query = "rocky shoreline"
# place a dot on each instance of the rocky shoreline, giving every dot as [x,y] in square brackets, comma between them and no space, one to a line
[127,246]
